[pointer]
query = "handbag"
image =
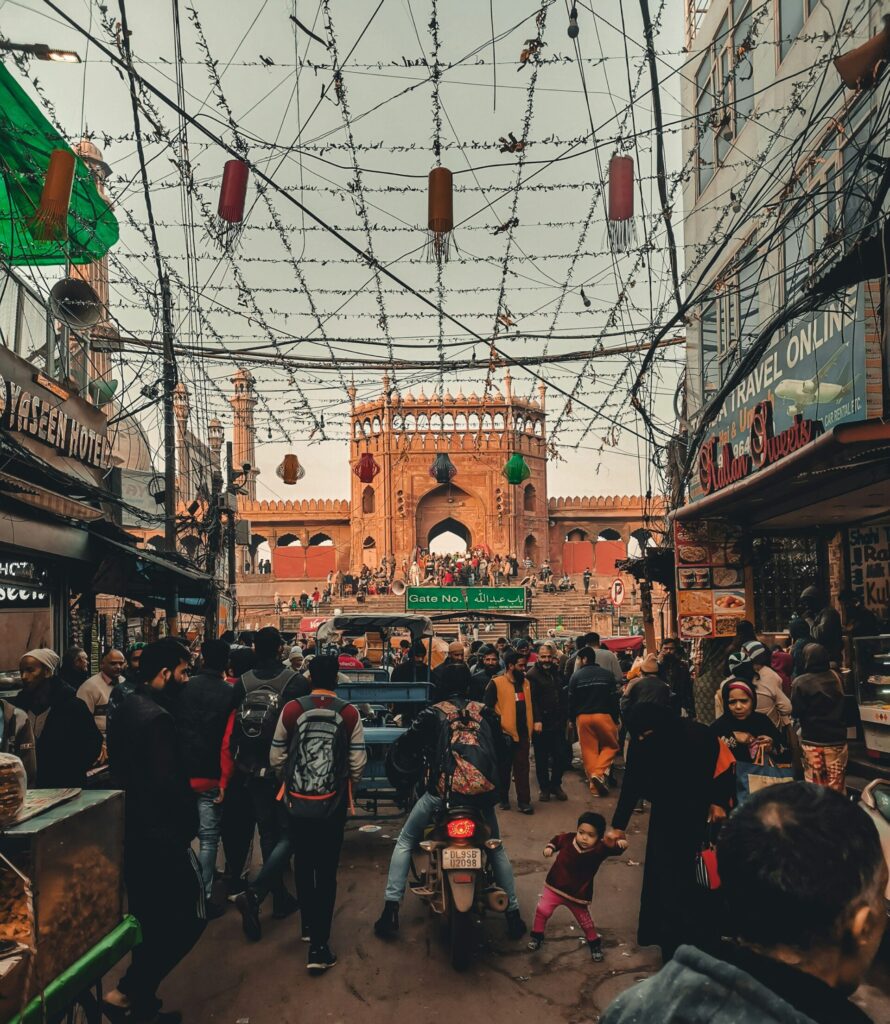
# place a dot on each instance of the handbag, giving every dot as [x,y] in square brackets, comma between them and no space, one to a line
[755,775]
[707,874]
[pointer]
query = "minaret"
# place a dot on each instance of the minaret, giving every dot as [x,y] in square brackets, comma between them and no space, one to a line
[215,438]
[243,403]
[183,462]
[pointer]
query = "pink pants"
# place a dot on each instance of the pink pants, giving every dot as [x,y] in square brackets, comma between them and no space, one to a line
[550,900]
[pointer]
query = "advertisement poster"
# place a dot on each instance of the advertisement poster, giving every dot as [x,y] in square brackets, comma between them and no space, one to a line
[710,579]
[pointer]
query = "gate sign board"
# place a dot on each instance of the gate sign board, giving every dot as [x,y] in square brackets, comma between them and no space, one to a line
[617,592]
[465,599]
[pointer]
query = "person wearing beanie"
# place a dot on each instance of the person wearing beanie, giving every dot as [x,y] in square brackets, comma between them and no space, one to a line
[645,688]
[68,741]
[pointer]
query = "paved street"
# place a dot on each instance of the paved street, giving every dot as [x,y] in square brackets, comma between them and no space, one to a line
[228,980]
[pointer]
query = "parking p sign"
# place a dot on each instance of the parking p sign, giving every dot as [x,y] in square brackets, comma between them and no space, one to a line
[617,592]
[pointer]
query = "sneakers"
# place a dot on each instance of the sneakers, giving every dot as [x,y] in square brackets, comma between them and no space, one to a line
[516,927]
[536,940]
[596,951]
[504,805]
[386,926]
[304,933]
[234,888]
[559,793]
[544,797]
[599,784]
[284,904]
[320,958]
[526,809]
[248,905]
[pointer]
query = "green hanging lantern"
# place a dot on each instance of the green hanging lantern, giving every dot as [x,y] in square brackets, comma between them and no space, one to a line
[516,470]
[102,390]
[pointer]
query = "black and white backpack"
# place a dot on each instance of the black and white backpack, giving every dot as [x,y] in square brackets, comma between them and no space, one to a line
[317,760]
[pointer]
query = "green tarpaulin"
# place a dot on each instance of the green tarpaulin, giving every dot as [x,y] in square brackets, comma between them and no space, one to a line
[26,141]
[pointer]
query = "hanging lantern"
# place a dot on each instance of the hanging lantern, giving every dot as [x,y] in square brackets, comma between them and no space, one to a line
[860,67]
[441,215]
[232,196]
[622,230]
[290,470]
[49,222]
[443,470]
[366,468]
[516,470]
[102,390]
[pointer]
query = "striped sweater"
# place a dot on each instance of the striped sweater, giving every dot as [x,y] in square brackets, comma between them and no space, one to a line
[290,714]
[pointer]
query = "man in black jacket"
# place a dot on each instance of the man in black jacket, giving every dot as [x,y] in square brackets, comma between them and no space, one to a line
[68,741]
[202,717]
[549,702]
[490,666]
[420,743]
[163,879]
[593,705]
[414,669]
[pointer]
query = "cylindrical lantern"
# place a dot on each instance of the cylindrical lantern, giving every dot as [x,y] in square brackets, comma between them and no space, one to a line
[516,469]
[290,470]
[441,214]
[622,230]
[366,468]
[443,470]
[49,222]
[232,196]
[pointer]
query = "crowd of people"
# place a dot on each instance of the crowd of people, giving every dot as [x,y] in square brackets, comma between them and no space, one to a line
[255,739]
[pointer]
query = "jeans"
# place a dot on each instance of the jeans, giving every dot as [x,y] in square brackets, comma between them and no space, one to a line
[550,757]
[316,844]
[422,815]
[209,824]
[273,837]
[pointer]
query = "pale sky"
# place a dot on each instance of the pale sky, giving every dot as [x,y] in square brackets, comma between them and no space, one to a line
[255,300]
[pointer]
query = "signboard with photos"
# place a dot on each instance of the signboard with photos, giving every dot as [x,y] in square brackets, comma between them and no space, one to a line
[711,595]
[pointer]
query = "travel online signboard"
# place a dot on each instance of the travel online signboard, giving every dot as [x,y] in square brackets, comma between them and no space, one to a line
[813,373]
[465,599]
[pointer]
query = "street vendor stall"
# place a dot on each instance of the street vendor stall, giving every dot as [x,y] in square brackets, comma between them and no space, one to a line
[62,924]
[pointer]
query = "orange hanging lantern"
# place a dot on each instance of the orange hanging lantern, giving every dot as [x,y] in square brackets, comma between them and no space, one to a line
[441,214]
[290,470]
[232,197]
[366,468]
[622,230]
[50,220]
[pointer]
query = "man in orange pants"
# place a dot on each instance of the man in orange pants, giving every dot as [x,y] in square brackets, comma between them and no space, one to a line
[593,704]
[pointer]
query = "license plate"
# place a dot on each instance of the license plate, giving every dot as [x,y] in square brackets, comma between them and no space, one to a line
[456,858]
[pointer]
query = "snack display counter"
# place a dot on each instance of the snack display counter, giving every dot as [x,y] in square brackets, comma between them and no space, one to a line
[871,660]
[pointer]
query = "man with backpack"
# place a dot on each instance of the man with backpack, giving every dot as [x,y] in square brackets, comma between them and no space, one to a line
[456,730]
[259,697]
[319,749]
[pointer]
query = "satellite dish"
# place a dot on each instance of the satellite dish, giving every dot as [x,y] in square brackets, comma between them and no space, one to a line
[75,303]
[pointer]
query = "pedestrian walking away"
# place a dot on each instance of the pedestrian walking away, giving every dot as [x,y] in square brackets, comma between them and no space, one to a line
[593,706]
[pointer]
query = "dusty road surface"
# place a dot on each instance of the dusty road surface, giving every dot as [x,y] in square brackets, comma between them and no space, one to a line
[229,980]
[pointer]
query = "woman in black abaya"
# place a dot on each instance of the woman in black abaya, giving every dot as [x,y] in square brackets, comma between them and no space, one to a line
[683,769]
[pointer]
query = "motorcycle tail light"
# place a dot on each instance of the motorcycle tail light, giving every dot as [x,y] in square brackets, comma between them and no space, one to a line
[461,828]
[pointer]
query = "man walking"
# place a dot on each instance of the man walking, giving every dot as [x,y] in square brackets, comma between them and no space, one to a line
[204,721]
[593,705]
[511,697]
[548,701]
[319,751]
[489,666]
[163,880]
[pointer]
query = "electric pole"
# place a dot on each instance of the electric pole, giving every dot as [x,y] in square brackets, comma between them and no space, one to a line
[169,452]
[232,498]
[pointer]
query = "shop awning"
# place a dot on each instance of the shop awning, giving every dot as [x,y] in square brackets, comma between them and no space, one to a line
[26,141]
[865,261]
[843,476]
[147,577]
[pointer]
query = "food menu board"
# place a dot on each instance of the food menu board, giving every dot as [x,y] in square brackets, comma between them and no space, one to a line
[710,579]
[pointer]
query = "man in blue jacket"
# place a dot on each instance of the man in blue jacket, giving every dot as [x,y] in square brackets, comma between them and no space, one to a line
[803,879]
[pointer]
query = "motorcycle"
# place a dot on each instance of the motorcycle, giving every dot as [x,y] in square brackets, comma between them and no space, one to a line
[457,880]
[875,801]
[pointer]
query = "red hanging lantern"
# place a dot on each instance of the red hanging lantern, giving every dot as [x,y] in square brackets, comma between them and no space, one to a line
[290,470]
[232,196]
[49,222]
[441,214]
[366,468]
[622,229]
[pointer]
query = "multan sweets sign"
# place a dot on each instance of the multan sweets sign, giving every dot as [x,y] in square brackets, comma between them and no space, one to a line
[811,378]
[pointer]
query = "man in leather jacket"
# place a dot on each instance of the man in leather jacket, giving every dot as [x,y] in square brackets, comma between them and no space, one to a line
[420,744]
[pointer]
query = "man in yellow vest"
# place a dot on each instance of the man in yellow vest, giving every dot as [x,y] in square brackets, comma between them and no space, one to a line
[510,695]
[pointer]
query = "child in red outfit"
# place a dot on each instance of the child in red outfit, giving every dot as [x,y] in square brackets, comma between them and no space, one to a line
[569,882]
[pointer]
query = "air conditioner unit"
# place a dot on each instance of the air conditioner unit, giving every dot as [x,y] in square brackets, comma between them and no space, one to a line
[242,532]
